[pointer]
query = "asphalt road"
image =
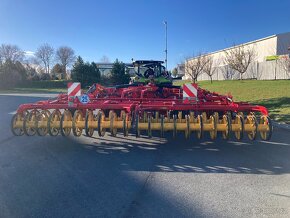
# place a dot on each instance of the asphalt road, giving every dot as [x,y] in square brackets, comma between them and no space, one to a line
[117,177]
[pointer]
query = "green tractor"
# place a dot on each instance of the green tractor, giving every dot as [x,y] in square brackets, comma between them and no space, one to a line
[149,71]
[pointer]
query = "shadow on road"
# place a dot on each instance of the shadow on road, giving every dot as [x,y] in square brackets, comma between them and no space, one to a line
[205,156]
[114,176]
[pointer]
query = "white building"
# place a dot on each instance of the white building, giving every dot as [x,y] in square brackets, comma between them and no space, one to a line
[266,65]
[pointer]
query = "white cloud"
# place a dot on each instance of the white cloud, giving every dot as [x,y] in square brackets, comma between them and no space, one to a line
[29,53]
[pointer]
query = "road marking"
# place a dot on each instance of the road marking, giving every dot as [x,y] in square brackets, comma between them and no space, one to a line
[13,112]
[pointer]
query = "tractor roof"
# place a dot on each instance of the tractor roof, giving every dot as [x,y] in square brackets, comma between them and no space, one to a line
[147,62]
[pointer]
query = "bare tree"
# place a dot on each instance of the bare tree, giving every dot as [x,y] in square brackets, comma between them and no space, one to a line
[284,62]
[66,56]
[227,72]
[239,58]
[10,53]
[45,54]
[195,66]
[210,67]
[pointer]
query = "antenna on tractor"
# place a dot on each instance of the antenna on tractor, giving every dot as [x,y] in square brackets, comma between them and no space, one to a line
[165,23]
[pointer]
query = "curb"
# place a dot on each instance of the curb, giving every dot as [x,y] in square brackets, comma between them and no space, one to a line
[281,125]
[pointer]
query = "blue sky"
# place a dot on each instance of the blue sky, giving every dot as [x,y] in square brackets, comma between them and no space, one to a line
[134,29]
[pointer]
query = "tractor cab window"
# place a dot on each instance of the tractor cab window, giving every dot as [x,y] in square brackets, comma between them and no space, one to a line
[142,70]
[149,69]
[162,71]
[156,69]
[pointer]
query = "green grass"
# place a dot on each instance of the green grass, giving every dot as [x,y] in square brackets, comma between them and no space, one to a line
[33,90]
[275,95]
[47,86]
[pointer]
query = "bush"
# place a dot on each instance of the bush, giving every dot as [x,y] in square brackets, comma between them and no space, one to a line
[11,74]
[45,84]
[9,79]
[118,74]
[85,73]
[45,76]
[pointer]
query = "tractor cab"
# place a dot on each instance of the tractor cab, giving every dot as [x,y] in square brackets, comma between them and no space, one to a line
[149,71]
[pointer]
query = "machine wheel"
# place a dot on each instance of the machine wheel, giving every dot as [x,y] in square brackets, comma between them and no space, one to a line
[162,126]
[174,125]
[77,119]
[89,118]
[113,117]
[226,120]
[101,117]
[30,118]
[137,126]
[125,118]
[149,120]
[251,119]
[240,121]
[187,131]
[54,117]
[42,117]
[199,133]
[17,131]
[66,116]
[266,120]
[213,121]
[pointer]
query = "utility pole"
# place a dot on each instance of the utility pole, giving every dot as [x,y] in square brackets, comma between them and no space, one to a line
[165,23]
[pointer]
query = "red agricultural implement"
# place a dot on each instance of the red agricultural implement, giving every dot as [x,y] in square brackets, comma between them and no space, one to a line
[146,105]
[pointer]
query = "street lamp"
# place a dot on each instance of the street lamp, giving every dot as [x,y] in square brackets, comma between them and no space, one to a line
[165,23]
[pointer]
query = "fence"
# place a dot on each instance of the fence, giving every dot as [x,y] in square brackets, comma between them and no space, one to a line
[267,70]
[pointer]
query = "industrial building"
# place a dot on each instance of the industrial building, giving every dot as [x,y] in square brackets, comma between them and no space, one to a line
[270,54]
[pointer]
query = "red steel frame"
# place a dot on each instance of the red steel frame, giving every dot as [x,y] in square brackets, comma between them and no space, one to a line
[147,98]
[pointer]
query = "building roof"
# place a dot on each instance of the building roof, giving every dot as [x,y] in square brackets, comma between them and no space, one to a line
[243,44]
